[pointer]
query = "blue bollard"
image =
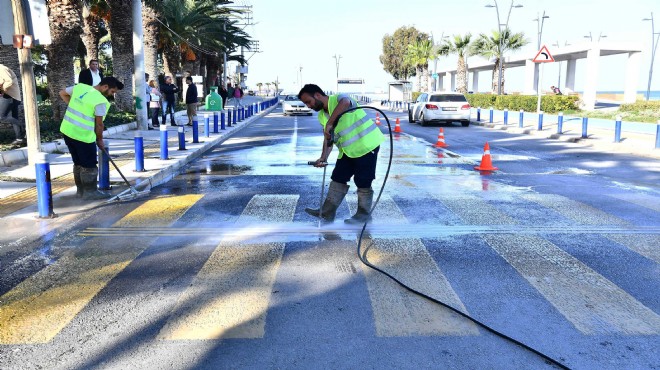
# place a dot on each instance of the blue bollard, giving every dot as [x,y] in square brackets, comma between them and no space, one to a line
[234,116]
[222,120]
[657,135]
[104,168]
[490,115]
[229,115]
[207,126]
[478,114]
[540,126]
[521,118]
[617,129]
[560,123]
[163,142]
[44,187]
[182,139]
[195,130]
[215,122]
[139,153]
[585,121]
[506,117]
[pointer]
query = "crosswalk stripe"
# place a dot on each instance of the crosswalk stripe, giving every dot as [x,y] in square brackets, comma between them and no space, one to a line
[647,245]
[398,312]
[40,306]
[592,303]
[643,200]
[229,296]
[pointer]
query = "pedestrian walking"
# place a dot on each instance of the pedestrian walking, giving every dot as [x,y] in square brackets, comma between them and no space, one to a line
[91,76]
[155,98]
[169,100]
[358,139]
[238,96]
[192,99]
[10,99]
[230,92]
[82,128]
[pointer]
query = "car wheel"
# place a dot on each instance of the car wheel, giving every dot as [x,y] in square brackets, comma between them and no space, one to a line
[410,117]
[284,113]
[422,122]
[310,114]
[465,123]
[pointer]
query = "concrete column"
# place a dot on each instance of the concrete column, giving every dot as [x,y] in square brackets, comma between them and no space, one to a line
[591,78]
[441,81]
[475,82]
[529,87]
[632,77]
[569,80]
[452,77]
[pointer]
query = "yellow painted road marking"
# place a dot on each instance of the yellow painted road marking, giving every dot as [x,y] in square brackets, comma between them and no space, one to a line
[40,306]
[593,304]
[398,312]
[229,296]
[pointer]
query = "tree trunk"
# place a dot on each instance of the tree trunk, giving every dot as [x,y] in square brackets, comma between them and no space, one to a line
[151,31]
[91,35]
[65,28]
[121,26]
[171,60]
[461,76]
[496,74]
[419,79]
[426,79]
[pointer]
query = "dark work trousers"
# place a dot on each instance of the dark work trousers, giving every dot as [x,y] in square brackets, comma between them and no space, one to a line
[362,169]
[82,154]
[154,116]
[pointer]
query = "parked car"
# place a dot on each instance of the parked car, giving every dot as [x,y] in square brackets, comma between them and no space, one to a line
[440,107]
[292,105]
[251,92]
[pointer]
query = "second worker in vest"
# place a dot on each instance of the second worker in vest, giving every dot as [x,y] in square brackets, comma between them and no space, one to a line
[82,127]
[358,139]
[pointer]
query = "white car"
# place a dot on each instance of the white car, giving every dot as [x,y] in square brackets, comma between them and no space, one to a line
[440,107]
[292,105]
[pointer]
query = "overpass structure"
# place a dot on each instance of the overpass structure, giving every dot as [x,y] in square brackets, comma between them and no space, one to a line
[592,52]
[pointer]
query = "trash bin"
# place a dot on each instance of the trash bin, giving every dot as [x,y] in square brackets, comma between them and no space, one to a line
[213,100]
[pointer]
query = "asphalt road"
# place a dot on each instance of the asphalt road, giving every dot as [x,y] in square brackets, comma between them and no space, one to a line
[222,268]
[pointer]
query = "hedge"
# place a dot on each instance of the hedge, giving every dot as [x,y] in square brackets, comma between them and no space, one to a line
[650,108]
[549,103]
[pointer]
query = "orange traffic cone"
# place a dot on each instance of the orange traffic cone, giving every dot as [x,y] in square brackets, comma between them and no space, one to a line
[378,119]
[441,140]
[397,128]
[486,162]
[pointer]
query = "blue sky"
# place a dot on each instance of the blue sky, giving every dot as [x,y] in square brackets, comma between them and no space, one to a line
[296,33]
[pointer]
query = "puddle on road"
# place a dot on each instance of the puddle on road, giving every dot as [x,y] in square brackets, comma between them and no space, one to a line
[222,169]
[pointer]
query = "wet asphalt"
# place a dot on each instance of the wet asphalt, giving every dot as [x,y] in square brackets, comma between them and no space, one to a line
[559,249]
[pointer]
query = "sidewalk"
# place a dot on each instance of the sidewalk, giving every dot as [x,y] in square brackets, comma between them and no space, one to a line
[18,184]
[599,136]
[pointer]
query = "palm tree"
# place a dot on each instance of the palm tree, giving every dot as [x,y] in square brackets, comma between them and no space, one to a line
[267,88]
[65,28]
[150,13]
[259,84]
[121,26]
[418,55]
[95,15]
[489,47]
[460,45]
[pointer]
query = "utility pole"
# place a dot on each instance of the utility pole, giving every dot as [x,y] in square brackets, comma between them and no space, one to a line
[29,86]
[337,58]
[138,74]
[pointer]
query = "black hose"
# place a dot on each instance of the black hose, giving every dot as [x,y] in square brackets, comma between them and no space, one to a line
[363,258]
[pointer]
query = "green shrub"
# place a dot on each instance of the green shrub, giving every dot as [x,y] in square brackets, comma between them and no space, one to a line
[415,95]
[549,103]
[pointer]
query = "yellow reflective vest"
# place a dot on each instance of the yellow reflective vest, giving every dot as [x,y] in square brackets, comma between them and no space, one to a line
[78,121]
[355,134]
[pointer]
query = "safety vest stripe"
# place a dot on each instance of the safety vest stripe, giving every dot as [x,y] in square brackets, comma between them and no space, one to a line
[352,127]
[79,114]
[78,124]
[358,136]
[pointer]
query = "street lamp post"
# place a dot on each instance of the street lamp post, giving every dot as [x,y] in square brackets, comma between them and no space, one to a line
[590,37]
[501,40]
[654,46]
[337,58]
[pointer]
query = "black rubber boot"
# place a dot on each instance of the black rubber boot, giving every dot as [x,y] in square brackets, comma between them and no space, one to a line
[363,213]
[88,177]
[336,193]
[80,190]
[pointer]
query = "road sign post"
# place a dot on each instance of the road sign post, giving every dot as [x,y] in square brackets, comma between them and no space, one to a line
[543,56]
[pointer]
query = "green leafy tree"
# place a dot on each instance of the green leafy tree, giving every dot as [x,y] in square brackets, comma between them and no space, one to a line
[395,48]
[461,46]
[418,55]
[488,46]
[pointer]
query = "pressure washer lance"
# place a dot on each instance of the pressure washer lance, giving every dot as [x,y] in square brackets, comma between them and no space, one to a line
[328,145]
[130,193]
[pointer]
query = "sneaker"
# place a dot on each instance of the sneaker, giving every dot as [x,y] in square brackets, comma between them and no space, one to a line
[150,128]
[189,124]
[18,142]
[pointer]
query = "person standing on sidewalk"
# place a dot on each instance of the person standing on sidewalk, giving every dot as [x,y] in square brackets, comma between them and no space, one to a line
[91,76]
[358,139]
[82,127]
[154,103]
[10,99]
[192,99]
[230,93]
[169,102]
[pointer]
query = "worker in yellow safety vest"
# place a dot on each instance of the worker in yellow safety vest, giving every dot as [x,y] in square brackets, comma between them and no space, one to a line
[358,139]
[82,127]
